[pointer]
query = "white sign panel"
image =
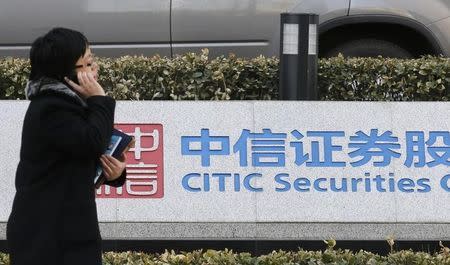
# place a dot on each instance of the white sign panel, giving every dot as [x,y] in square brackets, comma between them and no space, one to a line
[273,161]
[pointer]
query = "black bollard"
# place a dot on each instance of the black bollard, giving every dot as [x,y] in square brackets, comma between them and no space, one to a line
[298,57]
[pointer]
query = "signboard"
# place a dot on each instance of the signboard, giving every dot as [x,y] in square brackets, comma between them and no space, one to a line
[272,162]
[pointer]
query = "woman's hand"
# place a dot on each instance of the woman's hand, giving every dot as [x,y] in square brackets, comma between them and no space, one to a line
[112,167]
[88,86]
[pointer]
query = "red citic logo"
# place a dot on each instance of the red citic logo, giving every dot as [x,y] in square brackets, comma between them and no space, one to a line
[145,164]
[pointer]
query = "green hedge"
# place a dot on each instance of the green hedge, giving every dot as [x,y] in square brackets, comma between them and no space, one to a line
[329,256]
[196,77]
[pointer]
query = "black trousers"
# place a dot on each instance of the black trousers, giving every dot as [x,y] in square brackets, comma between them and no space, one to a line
[80,252]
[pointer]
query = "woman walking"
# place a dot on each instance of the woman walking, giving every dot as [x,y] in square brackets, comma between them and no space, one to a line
[66,129]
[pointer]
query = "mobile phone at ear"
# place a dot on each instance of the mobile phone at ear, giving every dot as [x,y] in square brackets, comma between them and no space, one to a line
[73,76]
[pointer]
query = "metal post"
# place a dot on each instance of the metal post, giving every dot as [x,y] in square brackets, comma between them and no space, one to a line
[298,57]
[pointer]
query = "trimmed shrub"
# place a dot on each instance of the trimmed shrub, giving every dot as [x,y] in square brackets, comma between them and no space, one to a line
[422,79]
[213,257]
[196,77]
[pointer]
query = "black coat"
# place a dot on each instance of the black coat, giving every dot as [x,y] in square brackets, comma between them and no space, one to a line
[55,195]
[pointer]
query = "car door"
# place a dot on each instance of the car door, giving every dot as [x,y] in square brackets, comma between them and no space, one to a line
[113,27]
[244,27]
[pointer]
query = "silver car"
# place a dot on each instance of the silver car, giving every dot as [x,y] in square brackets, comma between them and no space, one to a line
[395,28]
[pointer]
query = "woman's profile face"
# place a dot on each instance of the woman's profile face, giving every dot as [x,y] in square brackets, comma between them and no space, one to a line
[86,64]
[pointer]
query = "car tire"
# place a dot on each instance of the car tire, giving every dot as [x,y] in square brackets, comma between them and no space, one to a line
[369,48]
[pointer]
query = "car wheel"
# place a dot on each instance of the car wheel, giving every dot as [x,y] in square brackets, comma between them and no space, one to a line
[369,48]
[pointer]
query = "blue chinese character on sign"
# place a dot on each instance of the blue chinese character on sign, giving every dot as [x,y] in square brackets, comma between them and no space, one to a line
[300,156]
[415,148]
[373,145]
[328,149]
[265,145]
[205,150]
[441,153]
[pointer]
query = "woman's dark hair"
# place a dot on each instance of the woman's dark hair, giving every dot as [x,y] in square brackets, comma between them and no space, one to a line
[54,55]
